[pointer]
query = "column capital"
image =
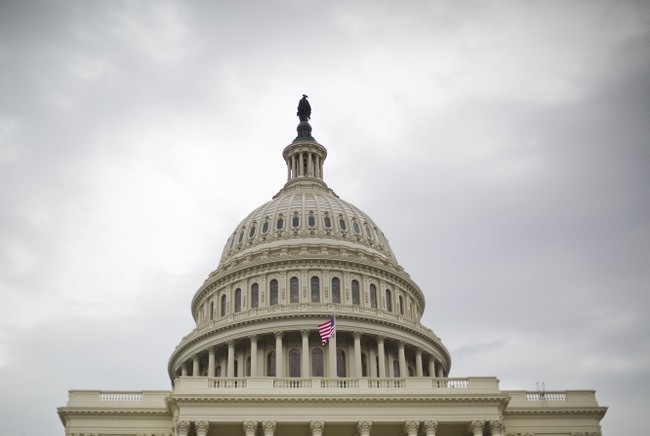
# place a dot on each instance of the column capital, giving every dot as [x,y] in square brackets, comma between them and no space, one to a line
[381,339]
[269,427]
[476,427]
[182,427]
[250,428]
[304,333]
[364,427]
[411,428]
[253,338]
[497,426]
[316,428]
[430,426]
[418,351]
[278,335]
[401,344]
[230,343]
[357,334]
[201,427]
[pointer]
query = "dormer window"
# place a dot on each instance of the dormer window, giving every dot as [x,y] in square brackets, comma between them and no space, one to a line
[241,236]
[355,227]
[311,220]
[251,233]
[265,226]
[295,221]
[327,221]
[279,224]
[342,224]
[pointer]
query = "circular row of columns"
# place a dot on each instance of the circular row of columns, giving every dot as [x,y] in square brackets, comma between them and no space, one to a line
[296,165]
[411,427]
[279,355]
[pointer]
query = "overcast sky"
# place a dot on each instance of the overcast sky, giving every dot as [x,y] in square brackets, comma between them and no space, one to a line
[502,146]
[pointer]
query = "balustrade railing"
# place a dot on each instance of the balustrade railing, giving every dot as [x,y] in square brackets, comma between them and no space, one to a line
[122,397]
[450,383]
[341,383]
[385,383]
[227,383]
[546,396]
[292,383]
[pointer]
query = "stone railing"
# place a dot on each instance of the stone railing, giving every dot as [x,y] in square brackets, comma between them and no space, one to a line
[118,399]
[121,396]
[365,384]
[546,396]
[556,399]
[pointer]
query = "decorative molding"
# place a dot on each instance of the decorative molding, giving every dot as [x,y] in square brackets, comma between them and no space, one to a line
[316,428]
[364,427]
[201,427]
[250,428]
[411,428]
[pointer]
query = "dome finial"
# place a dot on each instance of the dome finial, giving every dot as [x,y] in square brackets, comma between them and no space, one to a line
[304,109]
[304,114]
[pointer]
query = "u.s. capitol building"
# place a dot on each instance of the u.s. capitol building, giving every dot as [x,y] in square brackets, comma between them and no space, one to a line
[256,365]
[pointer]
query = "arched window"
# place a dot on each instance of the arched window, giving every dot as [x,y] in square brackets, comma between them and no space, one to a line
[401,305]
[396,368]
[336,290]
[270,364]
[364,365]
[340,363]
[316,362]
[356,298]
[389,301]
[315,289]
[255,295]
[373,296]
[238,300]
[294,363]
[212,310]
[294,291]
[223,305]
[273,292]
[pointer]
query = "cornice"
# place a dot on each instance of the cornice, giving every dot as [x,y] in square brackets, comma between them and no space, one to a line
[566,412]
[66,413]
[489,400]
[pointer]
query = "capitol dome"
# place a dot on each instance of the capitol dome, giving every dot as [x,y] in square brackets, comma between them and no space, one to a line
[296,261]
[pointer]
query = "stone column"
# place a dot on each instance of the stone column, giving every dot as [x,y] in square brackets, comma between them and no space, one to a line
[253,340]
[301,165]
[411,428]
[497,428]
[195,366]
[391,363]
[309,165]
[211,366]
[304,355]
[430,427]
[268,427]
[372,358]
[476,428]
[240,367]
[357,355]
[184,370]
[364,427]
[382,357]
[201,428]
[250,428]
[418,363]
[279,354]
[182,428]
[439,371]
[432,367]
[231,359]
[316,428]
[403,371]
[331,354]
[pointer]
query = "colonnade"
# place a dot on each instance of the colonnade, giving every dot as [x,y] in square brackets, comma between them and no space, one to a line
[363,427]
[304,164]
[376,356]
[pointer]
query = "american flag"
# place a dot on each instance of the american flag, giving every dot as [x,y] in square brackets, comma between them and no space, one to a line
[326,330]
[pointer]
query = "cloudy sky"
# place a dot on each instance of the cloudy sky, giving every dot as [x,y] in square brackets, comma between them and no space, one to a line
[502,146]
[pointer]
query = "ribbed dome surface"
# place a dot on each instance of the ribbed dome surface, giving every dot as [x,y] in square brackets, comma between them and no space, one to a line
[306,211]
